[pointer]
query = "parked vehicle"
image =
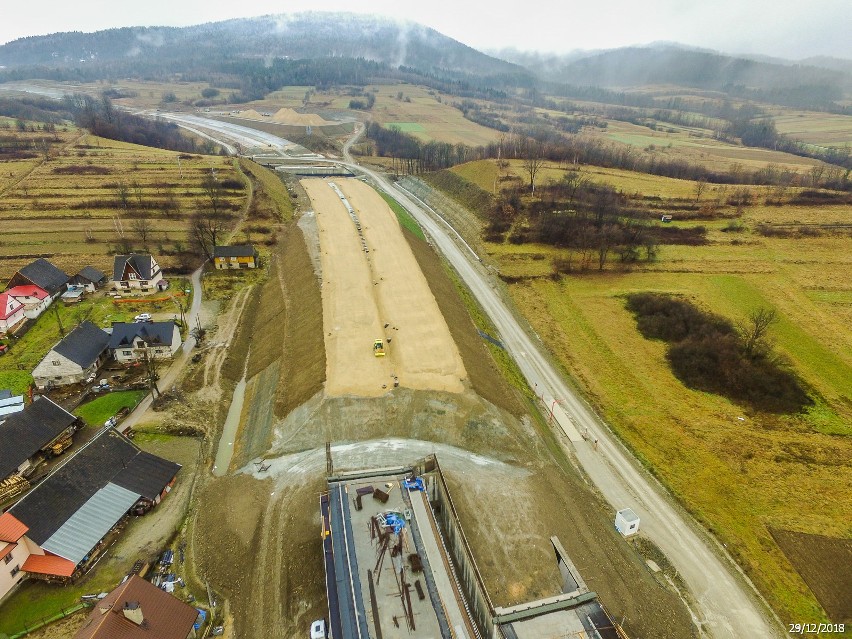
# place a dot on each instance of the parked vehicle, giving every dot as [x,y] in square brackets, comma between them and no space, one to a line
[4,348]
[318,629]
[143,317]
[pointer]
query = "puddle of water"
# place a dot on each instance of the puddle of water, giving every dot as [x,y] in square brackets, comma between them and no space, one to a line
[232,422]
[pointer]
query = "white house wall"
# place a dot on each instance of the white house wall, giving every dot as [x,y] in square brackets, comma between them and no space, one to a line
[58,370]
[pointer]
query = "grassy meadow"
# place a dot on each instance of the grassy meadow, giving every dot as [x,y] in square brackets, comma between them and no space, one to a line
[739,471]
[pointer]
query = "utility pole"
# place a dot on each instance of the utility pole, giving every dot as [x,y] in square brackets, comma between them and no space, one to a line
[58,319]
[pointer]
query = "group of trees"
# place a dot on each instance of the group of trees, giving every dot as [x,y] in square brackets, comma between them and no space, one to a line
[591,223]
[537,144]
[709,353]
[103,119]
[416,156]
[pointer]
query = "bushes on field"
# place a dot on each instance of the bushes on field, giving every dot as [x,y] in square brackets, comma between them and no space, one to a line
[709,353]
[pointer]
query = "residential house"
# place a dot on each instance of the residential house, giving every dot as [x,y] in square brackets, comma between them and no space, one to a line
[11,312]
[34,298]
[41,429]
[90,278]
[235,257]
[137,609]
[73,509]
[77,356]
[136,273]
[14,550]
[42,274]
[131,342]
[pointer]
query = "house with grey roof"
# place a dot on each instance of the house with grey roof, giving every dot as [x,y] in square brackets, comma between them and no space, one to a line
[132,342]
[69,513]
[77,356]
[90,278]
[42,274]
[136,273]
[235,257]
[28,436]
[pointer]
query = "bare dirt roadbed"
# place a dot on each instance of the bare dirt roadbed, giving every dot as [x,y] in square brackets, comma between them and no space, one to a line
[362,292]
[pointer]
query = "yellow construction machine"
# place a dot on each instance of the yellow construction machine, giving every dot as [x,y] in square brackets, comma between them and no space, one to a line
[379,348]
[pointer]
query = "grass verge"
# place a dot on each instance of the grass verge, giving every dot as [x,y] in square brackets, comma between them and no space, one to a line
[404,217]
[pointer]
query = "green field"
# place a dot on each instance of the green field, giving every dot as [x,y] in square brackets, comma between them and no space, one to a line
[740,472]
[405,127]
[97,411]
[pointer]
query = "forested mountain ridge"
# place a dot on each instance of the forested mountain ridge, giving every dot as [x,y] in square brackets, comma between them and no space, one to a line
[818,85]
[296,36]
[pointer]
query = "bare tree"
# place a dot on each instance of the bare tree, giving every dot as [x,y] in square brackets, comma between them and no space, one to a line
[205,232]
[123,245]
[572,182]
[138,193]
[700,186]
[816,174]
[754,329]
[533,160]
[142,227]
[150,365]
[122,194]
[214,192]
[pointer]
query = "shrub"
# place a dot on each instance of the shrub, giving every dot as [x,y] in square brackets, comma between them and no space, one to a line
[706,352]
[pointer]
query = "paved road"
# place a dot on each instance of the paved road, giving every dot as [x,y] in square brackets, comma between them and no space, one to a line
[724,604]
[178,363]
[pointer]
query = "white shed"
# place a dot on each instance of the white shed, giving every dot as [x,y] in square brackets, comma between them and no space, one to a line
[627,522]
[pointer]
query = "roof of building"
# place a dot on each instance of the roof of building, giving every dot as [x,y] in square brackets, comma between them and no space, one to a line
[8,306]
[237,250]
[85,528]
[84,345]
[108,458]
[11,405]
[25,433]
[5,393]
[91,274]
[123,333]
[45,275]
[28,290]
[628,515]
[142,263]
[165,616]
[11,529]
[49,565]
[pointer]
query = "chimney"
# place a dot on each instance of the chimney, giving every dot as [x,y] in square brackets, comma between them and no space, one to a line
[133,611]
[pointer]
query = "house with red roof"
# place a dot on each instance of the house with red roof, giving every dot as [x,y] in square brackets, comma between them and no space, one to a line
[137,609]
[11,312]
[34,299]
[42,274]
[15,548]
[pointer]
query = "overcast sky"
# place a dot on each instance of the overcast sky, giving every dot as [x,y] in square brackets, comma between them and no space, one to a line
[785,28]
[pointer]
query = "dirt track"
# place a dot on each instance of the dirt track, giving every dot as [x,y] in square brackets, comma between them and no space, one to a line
[382,294]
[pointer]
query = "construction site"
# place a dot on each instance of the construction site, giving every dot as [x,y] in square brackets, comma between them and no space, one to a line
[396,372]
[397,564]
